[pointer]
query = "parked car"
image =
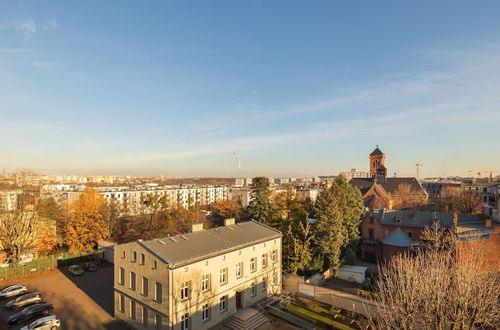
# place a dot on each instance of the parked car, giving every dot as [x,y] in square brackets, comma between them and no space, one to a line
[90,267]
[24,300]
[13,291]
[7,262]
[45,323]
[30,313]
[75,270]
[25,258]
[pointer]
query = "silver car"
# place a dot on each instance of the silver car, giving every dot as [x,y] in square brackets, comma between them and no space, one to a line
[24,300]
[13,291]
[51,322]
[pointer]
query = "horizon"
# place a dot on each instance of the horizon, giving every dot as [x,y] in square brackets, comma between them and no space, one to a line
[299,89]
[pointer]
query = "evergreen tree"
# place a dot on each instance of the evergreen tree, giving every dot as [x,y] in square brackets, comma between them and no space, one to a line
[339,208]
[297,240]
[260,207]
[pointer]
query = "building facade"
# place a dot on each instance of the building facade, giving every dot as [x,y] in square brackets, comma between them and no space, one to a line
[196,280]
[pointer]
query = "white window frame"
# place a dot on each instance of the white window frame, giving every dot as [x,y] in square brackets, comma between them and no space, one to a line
[274,255]
[223,276]
[121,304]
[253,264]
[185,322]
[263,260]
[185,290]
[223,304]
[253,290]
[239,270]
[205,283]
[205,313]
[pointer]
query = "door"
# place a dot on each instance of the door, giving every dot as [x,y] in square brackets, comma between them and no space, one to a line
[239,299]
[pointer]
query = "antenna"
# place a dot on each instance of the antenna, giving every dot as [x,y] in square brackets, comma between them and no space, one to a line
[236,154]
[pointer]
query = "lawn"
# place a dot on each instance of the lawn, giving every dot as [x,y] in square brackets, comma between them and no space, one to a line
[322,314]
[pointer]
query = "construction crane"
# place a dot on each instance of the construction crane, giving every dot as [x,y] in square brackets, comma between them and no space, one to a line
[479,172]
[418,165]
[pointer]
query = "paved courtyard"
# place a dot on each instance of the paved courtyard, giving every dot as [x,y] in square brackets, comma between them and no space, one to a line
[83,302]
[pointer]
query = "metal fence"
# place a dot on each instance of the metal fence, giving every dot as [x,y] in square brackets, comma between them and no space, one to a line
[48,262]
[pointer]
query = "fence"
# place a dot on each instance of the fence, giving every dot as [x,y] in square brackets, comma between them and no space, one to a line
[46,263]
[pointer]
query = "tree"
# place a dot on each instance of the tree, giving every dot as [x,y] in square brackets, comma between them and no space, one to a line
[436,290]
[49,208]
[111,214]
[436,238]
[297,240]
[406,197]
[85,225]
[18,232]
[460,201]
[226,208]
[260,207]
[339,208]
[152,208]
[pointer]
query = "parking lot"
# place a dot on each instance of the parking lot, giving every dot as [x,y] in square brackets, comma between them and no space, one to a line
[81,302]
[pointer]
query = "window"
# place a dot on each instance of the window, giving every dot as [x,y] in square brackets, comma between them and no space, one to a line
[158,321]
[239,269]
[253,267]
[264,260]
[264,284]
[371,220]
[184,290]
[371,234]
[223,276]
[123,254]
[205,313]
[205,283]
[144,316]
[143,259]
[122,276]
[132,309]
[155,264]
[185,322]
[274,278]
[121,305]
[134,256]
[132,280]
[145,285]
[158,292]
[253,290]
[223,304]
[274,255]
[409,234]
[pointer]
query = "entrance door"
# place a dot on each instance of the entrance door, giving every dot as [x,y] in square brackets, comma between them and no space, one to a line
[239,299]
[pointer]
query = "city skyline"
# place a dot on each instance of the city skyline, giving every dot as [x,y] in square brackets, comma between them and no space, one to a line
[301,90]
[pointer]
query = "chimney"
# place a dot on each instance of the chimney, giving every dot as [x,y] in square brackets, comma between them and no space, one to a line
[487,223]
[229,222]
[196,227]
[455,223]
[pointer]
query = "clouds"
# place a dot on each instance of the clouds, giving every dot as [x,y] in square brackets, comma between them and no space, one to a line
[28,26]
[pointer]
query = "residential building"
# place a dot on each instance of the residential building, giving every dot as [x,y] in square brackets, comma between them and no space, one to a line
[386,233]
[242,194]
[354,173]
[196,280]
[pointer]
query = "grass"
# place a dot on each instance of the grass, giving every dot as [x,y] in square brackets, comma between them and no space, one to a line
[321,314]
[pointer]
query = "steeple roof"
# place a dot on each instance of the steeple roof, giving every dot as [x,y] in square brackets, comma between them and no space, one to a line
[376,152]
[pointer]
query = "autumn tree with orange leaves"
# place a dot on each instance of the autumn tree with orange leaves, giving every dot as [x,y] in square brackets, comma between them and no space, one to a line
[86,225]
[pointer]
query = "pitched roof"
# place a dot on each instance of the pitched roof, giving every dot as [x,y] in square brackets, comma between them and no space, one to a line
[390,185]
[421,218]
[376,152]
[398,238]
[188,248]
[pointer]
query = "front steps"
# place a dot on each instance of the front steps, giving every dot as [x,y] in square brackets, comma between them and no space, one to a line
[246,319]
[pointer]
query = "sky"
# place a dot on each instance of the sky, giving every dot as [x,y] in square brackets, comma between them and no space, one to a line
[300,88]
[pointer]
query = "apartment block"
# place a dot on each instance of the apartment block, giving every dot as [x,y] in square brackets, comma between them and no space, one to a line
[196,280]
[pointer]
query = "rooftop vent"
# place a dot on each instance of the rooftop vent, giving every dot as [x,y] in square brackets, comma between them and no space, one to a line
[161,242]
[229,221]
[173,239]
[184,237]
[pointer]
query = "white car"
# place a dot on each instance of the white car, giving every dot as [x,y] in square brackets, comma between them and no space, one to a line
[45,323]
[12,291]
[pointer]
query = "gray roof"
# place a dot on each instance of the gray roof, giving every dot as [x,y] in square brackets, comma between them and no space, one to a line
[421,218]
[188,248]
[390,185]
[376,152]
[397,237]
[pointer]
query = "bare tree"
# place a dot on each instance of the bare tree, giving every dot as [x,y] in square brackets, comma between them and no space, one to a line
[18,232]
[437,290]
[461,201]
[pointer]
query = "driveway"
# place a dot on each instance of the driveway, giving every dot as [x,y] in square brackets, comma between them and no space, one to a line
[83,302]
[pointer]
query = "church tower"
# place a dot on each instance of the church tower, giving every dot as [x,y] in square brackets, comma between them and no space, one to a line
[377,160]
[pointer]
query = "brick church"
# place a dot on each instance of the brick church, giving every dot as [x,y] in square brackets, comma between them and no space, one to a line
[390,193]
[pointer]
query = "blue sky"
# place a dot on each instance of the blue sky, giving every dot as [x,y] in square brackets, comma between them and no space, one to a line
[299,87]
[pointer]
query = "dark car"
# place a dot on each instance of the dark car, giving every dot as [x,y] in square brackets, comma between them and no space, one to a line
[24,300]
[30,312]
[90,267]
